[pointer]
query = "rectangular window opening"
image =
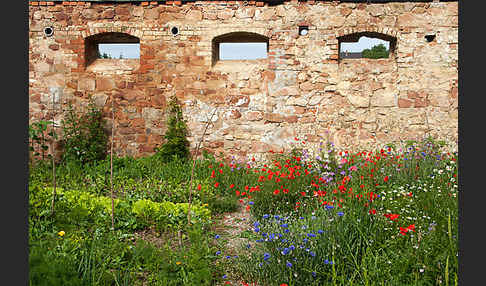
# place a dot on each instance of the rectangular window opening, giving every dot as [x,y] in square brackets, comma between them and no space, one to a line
[243,51]
[119,51]
[365,47]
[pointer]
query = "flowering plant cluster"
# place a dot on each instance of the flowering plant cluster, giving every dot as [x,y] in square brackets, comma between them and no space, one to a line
[364,216]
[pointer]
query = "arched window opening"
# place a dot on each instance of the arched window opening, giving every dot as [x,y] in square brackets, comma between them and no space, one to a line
[111,45]
[239,46]
[371,45]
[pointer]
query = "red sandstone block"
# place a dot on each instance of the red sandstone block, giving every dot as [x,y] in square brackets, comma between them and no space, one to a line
[153,2]
[43,3]
[169,2]
[65,3]
[251,2]
[34,3]
[178,3]
[145,3]
[81,3]
[404,103]
[334,57]
[50,3]
[260,4]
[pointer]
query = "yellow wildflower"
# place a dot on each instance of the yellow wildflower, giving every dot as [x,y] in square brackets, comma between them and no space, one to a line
[178,262]
[61,233]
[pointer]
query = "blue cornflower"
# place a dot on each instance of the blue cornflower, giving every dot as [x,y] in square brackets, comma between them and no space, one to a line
[301,217]
[329,207]
[284,240]
[276,217]
[286,230]
[305,240]
[271,236]
[314,274]
[312,253]
[257,229]
[250,203]
[289,264]
[255,224]
[265,216]
[266,256]
[326,261]
[292,247]
[285,251]
[320,231]
[259,240]
[264,234]
[284,225]
[304,227]
[224,276]
[228,257]
[218,252]
[216,236]
[310,234]
[248,245]
[340,213]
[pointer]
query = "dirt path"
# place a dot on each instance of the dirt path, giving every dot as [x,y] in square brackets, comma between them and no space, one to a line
[230,226]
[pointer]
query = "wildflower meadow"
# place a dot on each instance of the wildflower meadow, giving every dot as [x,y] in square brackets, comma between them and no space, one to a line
[315,216]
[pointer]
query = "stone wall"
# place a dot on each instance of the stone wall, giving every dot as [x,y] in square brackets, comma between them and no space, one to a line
[301,90]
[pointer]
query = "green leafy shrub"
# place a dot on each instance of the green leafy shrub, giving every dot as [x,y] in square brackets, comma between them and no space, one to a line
[168,214]
[39,138]
[47,268]
[84,138]
[176,145]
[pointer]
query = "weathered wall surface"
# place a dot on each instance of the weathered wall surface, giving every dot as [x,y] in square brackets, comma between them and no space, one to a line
[301,90]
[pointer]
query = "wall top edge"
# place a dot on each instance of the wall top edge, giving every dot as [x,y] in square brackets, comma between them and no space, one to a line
[265,1]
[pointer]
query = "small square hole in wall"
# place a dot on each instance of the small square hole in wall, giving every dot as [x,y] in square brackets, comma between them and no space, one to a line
[430,38]
[303,30]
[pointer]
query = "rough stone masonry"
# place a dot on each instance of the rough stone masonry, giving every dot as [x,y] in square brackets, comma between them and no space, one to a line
[302,89]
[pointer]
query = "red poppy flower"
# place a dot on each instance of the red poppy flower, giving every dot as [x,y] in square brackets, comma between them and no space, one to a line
[232,186]
[199,187]
[372,211]
[284,284]
[385,179]
[392,216]
[216,184]
[411,227]
[276,191]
